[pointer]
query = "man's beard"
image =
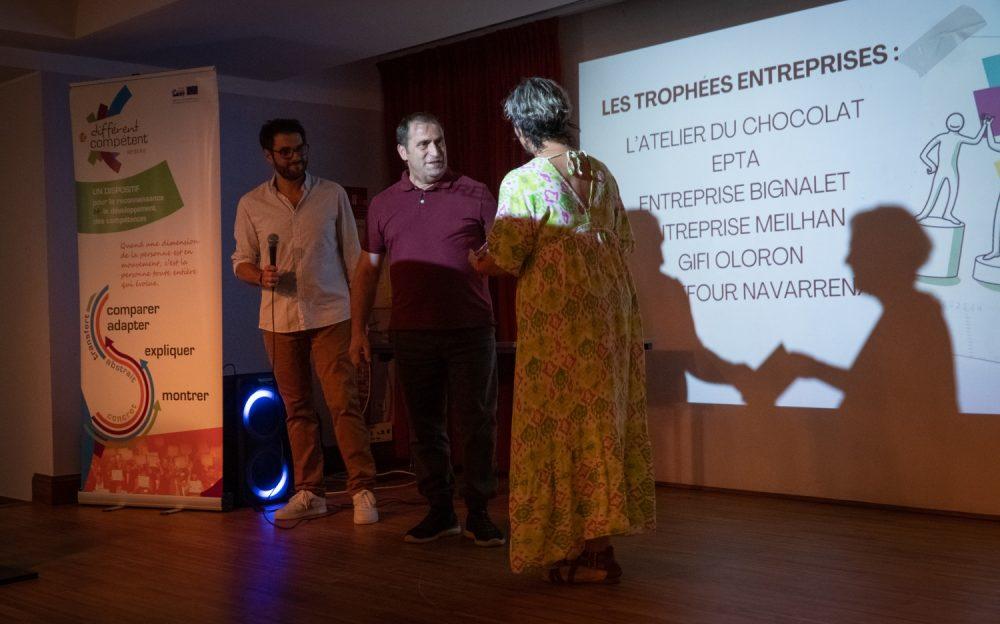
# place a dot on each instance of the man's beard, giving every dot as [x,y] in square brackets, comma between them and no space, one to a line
[286,171]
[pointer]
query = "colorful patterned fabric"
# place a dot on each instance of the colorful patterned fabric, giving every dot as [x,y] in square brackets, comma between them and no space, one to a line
[581,465]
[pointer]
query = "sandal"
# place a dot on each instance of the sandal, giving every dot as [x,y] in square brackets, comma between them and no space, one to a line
[555,575]
[602,560]
[586,568]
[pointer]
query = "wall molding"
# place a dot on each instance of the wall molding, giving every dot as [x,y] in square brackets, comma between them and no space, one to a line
[831,501]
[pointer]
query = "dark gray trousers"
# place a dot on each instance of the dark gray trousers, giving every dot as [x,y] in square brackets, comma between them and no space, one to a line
[453,372]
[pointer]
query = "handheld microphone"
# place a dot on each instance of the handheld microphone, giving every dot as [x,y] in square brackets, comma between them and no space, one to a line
[272,248]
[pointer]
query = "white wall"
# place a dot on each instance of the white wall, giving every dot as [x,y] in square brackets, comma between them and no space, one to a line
[25,418]
[802,452]
[886,454]
[64,316]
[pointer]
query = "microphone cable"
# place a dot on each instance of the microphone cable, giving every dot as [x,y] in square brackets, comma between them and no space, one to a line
[281,443]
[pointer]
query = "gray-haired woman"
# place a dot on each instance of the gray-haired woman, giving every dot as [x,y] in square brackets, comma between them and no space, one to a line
[581,466]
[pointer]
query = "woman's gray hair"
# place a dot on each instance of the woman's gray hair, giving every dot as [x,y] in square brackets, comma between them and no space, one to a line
[540,108]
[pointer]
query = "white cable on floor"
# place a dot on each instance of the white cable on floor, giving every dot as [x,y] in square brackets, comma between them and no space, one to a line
[384,487]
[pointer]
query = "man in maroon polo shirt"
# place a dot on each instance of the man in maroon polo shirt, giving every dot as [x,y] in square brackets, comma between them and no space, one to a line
[441,325]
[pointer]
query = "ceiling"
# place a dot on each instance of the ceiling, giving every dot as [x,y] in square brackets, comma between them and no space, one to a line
[258,39]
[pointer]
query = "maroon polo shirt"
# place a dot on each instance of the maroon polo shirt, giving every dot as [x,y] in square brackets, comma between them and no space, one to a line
[427,235]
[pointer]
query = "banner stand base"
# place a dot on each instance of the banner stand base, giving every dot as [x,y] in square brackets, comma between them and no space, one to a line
[114,502]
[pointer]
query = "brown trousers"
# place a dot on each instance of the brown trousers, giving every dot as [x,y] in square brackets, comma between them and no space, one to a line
[326,348]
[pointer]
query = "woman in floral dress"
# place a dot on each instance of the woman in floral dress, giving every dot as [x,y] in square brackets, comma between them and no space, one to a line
[581,467]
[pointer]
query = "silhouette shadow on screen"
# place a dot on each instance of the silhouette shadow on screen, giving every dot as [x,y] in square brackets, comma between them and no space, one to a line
[907,361]
[662,299]
[896,426]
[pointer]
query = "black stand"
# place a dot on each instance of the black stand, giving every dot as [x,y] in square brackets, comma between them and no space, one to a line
[13,575]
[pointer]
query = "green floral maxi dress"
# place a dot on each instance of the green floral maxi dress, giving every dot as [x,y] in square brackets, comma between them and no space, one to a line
[581,465]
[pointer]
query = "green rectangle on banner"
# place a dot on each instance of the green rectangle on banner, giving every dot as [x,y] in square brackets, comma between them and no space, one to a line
[126,204]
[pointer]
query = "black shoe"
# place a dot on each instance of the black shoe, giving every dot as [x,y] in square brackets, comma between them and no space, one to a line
[436,523]
[480,528]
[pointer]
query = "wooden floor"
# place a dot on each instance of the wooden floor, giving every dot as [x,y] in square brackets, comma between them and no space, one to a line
[716,558]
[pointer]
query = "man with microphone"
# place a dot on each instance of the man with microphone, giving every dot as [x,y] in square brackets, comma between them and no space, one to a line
[311,241]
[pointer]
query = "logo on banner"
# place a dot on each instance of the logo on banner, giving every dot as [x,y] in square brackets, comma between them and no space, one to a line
[185,93]
[119,425]
[108,134]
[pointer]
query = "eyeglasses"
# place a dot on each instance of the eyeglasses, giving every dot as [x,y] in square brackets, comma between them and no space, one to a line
[286,152]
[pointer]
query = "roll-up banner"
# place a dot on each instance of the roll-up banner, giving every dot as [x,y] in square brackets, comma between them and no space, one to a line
[146,160]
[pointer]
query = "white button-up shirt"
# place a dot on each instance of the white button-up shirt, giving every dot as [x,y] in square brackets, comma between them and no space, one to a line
[317,251]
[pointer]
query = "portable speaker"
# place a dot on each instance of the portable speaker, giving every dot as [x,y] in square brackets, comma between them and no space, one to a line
[257,460]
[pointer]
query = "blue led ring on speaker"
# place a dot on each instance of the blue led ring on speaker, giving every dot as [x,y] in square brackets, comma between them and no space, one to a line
[267,491]
[253,425]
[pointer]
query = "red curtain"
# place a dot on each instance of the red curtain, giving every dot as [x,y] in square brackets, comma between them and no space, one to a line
[464,85]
